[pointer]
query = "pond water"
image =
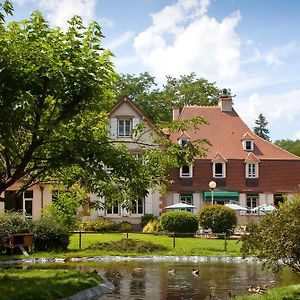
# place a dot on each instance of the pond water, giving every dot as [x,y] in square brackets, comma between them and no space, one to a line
[151,280]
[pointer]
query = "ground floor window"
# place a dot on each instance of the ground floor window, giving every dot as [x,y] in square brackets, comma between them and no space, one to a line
[279,198]
[252,201]
[138,207]
[114,209]
[19,202]
[186,198]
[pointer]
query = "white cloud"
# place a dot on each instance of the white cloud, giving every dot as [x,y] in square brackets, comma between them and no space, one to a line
[106,22]
[282,111]
[124,38]
[183,39]
[296,135]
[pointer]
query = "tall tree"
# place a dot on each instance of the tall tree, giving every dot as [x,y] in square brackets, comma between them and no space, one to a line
[157,103]
[6,8]
[289,145]
[55,91]
[261,128]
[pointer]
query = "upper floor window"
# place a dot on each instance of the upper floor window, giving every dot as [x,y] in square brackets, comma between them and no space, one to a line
[248,145]
[251,170]
[219,170]
[186,171]
[124,128]
[183,142]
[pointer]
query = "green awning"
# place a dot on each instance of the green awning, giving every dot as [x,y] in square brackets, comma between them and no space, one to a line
[222,196]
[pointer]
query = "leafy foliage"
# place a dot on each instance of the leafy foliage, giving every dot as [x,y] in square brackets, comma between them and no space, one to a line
[179,222]
[218,218]
[157,103]
[146,218]
[13,222]
[152,226]
[276,239]
[261,128]
[50,235]
[125,226]
[99,225]
[128,245]
[289,145]
[6,8]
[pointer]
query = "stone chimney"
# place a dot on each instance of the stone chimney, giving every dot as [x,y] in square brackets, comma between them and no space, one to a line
[225,101]
[176,113]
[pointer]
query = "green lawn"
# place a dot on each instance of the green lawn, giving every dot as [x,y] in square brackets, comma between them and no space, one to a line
[291,292]
[44,284]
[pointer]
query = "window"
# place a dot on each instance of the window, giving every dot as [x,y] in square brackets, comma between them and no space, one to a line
[124,128]
[219,170]
[186,171]
[183,142]
[252,201]
[19,202]
[279,198]
[252,170]
[248,145]
[28,196]
[186,198]
[138,207]
[113,210]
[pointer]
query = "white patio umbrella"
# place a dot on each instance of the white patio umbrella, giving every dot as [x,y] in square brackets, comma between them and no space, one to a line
[236,207]
[180,205]
[264,208]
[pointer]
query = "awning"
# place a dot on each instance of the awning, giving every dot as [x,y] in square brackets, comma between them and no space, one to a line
[222,196]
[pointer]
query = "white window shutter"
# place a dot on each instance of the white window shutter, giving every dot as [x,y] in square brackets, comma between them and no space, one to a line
[113,127]
[135,122]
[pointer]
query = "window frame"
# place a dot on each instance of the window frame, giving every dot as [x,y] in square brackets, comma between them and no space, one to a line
[219,175]
[250,173]
[183,198]
[139,204]
[183,142]
[186,175]
[124,134]
[248,142]
[111,211]
[251,198]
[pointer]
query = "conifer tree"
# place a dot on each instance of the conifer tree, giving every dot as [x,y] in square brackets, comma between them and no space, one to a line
[261,128]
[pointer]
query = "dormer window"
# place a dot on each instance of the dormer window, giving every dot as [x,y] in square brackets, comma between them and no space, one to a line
[219,166]
[248,145]
[183,142]
[251,166]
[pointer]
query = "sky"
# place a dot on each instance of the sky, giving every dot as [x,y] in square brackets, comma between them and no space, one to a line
[249,46]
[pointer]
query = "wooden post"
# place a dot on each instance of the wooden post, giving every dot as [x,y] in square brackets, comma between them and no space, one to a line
[79,240]
[225,242]
[173,239]
[127,234]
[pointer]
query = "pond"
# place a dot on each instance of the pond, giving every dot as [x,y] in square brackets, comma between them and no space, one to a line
[151,280]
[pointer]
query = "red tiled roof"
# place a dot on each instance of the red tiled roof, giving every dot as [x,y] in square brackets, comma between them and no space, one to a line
[225,131]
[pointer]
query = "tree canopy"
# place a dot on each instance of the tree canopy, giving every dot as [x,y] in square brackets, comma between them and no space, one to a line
[55,94]
[157,103]
[289,145]
[261,128]
[276,240]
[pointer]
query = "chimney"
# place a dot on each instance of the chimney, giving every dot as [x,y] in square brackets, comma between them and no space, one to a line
[225,101]
[176,113]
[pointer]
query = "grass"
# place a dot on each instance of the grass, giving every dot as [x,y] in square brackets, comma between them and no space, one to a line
[44,284]
[291,292]
[184,246]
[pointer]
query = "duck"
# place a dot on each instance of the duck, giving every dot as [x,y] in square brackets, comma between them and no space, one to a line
[195,272]
[172,271]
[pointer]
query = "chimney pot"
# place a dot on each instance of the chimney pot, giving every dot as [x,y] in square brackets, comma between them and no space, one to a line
[176,113]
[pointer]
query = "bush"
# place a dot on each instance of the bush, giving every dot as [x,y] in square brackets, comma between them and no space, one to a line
[125,226]
[152,226]
[181,222]
[276,239]
[218,218]
[99,225]
[13,222]
[146,218]
[50,235]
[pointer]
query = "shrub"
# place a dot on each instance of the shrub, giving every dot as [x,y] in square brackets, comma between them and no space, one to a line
[125,226]
[99,225]
[218,218]
[181,222]
[13,222]
[50,235]
[276,239]
[146,218]
[152,226]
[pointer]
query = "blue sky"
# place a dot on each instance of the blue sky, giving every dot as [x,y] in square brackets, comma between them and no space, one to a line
[250,46]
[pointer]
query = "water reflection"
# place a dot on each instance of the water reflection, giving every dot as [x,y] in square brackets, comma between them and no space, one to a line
[215,281]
